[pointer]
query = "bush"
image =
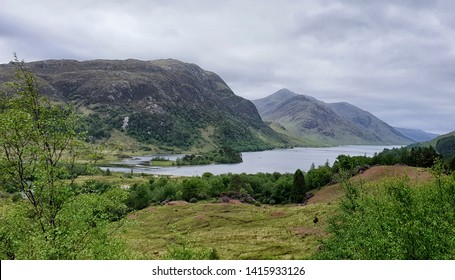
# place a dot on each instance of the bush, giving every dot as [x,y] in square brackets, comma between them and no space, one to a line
[92,186]
[396,222]
[164,192]
[194,188]
[139,197]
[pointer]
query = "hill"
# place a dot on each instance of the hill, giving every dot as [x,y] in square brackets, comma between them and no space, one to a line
[329,124]
[444,145]
[332,193]
[163,104]
[433,142]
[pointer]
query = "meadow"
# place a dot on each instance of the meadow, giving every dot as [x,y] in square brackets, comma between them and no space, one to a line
[234,230]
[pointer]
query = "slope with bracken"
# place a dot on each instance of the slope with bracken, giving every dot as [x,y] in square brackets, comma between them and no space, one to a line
[374,175]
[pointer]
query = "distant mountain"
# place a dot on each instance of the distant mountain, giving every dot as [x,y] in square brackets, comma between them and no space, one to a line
[369,122]
[328,124]
[416,135]
[162,103]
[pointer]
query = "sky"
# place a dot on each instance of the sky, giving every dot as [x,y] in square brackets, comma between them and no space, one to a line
[395,59]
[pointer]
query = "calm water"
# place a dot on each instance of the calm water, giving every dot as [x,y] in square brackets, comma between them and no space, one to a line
[282,161]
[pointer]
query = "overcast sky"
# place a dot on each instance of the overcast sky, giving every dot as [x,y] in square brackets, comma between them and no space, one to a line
[393,58]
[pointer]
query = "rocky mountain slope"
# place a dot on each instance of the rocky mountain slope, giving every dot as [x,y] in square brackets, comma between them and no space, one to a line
[161,103]
[370,123]
[330,124]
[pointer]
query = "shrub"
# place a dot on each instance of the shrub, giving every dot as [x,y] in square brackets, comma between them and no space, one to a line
[194,188]
[139,197]
[91,186]
[164,192]
[396,222]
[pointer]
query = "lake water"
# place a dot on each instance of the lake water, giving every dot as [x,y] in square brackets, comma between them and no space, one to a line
[283,161]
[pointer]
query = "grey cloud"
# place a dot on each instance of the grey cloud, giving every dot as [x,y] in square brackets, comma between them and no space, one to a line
[393,58]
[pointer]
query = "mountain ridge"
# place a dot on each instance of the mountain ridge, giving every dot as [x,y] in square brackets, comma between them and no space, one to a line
[417,135]
[163,102]
[328,124]
[369,122]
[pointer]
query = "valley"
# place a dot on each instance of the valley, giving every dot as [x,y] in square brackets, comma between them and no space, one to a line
[63,119]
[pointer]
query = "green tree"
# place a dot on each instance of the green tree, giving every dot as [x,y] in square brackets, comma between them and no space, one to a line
[39,142]
[298,193]
[318,177]
[194,188]
[139,197]
[282,191]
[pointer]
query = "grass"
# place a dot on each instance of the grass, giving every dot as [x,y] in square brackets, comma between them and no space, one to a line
[162,163]
[116,179]
[236,231]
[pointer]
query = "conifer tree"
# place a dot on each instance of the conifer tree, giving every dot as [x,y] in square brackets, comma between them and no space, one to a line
[298,194]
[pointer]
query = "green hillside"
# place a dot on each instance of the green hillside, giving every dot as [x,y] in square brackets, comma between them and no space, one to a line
[434,141]
[162,104]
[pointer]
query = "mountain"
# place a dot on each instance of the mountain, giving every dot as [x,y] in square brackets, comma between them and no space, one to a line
[161,103]
[370,123]
[328,124]
[416,135]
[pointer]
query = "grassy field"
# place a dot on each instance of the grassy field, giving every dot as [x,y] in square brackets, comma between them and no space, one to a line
[236,231]
[116,179]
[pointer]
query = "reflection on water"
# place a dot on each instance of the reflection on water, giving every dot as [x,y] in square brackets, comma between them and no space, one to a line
[283,161]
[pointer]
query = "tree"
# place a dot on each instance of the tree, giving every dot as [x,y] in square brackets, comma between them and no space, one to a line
[39,146]
[139,197]
[298,192]
[282,191]
[452,164]
[318,177]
